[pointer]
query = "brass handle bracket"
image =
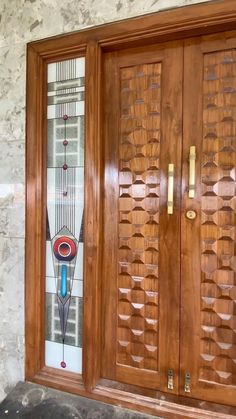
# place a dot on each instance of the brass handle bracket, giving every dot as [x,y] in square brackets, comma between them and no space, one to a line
[170,380]
[170,194]
[192,175]
[187,382]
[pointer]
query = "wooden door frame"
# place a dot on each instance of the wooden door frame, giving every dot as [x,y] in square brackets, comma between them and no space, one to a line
[184,22]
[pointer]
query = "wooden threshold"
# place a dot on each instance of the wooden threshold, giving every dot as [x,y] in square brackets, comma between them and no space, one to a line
[105,393]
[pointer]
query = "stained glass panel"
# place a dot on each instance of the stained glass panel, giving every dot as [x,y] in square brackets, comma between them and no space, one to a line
[65,204]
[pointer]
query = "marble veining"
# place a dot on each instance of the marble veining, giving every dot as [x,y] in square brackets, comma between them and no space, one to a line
[25,20]
[11,286]
[12,162]
[12,93]
[12,209]
[11,362]
[11,311]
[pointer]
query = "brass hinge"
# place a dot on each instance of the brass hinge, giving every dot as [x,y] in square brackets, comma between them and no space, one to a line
[170,380]
[187,382]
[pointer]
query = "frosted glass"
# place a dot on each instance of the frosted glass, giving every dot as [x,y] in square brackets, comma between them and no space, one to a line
[65,208]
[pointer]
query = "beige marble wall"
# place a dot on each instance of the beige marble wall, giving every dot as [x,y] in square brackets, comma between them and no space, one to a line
[22,21]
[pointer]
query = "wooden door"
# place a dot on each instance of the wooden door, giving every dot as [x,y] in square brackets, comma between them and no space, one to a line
[141,242]
[208,280]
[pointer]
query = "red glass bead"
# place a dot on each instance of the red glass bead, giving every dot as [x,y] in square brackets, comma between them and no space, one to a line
[63,364]
[65,167]
[65,143]
[65,117]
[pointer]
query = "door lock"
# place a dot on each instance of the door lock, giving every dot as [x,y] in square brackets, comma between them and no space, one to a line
[191,214]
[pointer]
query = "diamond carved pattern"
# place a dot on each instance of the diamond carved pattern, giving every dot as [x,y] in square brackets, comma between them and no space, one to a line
[139,183]
[218,285]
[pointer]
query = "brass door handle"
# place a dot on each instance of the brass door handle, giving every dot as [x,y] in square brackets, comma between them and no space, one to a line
[192,176]
[170,194]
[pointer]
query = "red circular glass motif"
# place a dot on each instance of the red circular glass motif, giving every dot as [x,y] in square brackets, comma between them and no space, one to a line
[64,248]
[63,364]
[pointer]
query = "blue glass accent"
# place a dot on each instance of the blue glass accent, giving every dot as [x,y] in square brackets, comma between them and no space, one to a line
[63,281]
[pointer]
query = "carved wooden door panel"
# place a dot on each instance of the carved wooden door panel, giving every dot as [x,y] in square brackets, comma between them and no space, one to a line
[208,280]
[141,273]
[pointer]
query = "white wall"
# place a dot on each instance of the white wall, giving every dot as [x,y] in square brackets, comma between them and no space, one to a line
[22,21]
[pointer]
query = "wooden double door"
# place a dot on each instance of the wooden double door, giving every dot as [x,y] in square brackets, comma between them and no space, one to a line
[169,212]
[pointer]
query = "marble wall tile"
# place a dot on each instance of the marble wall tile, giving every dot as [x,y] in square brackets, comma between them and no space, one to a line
[12,92]
[11,362]
[11,287]
[27,20]
[12,162]
[12,210]
[12,189]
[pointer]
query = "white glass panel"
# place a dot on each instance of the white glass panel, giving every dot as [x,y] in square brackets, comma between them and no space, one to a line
[72,354]
[65,207]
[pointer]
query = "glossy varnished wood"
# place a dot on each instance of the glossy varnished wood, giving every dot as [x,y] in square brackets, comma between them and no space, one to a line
[208,242]
[93,220]
[35,210]
[168,25]
[126,291]
[140,294]
[155,403]
[171,132]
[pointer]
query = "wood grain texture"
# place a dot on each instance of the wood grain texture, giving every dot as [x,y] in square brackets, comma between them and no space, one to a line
[140,113]
[169,25]
[110,221]
[208,274]
[138,224]
[190,229]
[93,219]
[171,129]
[218,204]
[159,406]
[35,215]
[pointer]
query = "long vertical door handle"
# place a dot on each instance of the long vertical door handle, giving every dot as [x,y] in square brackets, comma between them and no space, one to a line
[192,176]
[170,194]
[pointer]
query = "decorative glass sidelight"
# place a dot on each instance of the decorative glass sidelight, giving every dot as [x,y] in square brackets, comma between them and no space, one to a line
[65,203]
